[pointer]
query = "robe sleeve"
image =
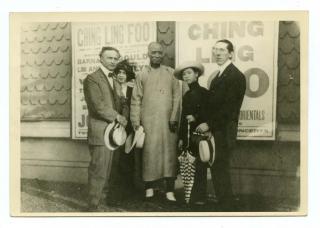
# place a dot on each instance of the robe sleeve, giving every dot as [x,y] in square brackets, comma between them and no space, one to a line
[176,98]
[136,100]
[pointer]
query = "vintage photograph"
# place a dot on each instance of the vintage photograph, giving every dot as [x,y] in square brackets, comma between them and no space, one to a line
[167,114]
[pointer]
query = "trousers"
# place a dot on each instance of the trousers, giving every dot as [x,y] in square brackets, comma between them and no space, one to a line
[99,172]
[220,170]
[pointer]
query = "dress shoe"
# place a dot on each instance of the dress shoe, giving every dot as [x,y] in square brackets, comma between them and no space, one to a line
[200,203]
[149,193]
[92,208]
[170,197]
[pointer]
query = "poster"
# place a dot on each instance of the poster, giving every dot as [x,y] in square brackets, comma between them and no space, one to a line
[255,44]
[130,38]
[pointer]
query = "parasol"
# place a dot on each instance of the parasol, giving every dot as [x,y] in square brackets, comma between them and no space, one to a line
[187,168]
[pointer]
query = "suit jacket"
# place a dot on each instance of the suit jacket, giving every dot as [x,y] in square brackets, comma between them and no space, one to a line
[103,105]
[225,100]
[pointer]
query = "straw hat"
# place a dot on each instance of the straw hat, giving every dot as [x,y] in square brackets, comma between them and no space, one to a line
[135,139]
[178,71]
[114,136]
[207,150]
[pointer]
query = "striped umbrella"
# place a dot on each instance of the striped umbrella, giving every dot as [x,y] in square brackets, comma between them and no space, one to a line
[187,169]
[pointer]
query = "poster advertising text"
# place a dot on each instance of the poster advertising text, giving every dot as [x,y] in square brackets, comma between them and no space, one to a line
[130,38]
[255,44]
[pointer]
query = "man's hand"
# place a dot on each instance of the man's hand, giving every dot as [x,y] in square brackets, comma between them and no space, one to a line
[202,128]
[208,134]
[173,125]
[122,120]
[180,144]
[190,118]
[135,126]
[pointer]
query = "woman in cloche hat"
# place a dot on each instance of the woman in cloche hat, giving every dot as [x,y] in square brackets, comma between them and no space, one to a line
[194,112]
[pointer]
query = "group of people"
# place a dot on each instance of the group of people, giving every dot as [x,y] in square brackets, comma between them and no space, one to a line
[151,99]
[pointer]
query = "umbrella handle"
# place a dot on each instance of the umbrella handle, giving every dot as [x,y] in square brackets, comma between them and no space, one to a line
[188,138]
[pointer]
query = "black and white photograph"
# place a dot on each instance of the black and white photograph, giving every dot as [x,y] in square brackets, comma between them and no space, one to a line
[158,114]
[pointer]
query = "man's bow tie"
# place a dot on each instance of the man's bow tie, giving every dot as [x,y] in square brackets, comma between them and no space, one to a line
[110,75]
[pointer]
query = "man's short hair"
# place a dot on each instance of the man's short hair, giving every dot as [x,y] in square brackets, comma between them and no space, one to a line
[154,43]
[108,48]
[229,44]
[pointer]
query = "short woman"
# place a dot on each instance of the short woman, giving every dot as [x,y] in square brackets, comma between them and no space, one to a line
[194,112]
[124,75]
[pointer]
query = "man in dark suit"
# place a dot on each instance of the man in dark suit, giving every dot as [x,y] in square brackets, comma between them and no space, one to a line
[103,108]
[227,90]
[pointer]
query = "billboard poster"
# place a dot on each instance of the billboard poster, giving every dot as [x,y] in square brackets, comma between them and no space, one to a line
[130,38]
[255,44]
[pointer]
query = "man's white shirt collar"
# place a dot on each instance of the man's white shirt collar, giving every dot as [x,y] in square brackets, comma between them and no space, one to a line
[224,66]
[106,73]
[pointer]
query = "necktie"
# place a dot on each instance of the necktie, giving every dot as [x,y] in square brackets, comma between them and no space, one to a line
[214,81]
[110,75]
[218,74]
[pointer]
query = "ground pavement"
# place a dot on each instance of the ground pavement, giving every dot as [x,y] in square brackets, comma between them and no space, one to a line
[47,196]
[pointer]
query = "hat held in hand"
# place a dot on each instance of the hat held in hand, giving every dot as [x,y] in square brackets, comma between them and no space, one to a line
[114,136]
[135,139]
[207,150]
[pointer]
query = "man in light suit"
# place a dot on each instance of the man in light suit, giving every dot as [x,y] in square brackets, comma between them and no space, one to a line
[227,91]
[103,108]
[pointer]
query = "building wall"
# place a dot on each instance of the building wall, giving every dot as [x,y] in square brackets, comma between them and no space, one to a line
[265,168]
[288,100]
[55,159]
[47,152]
[46,71]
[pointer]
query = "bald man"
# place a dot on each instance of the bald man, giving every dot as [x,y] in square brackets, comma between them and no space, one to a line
[154,105]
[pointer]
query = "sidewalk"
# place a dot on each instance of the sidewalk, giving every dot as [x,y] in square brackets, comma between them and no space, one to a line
[45,196]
